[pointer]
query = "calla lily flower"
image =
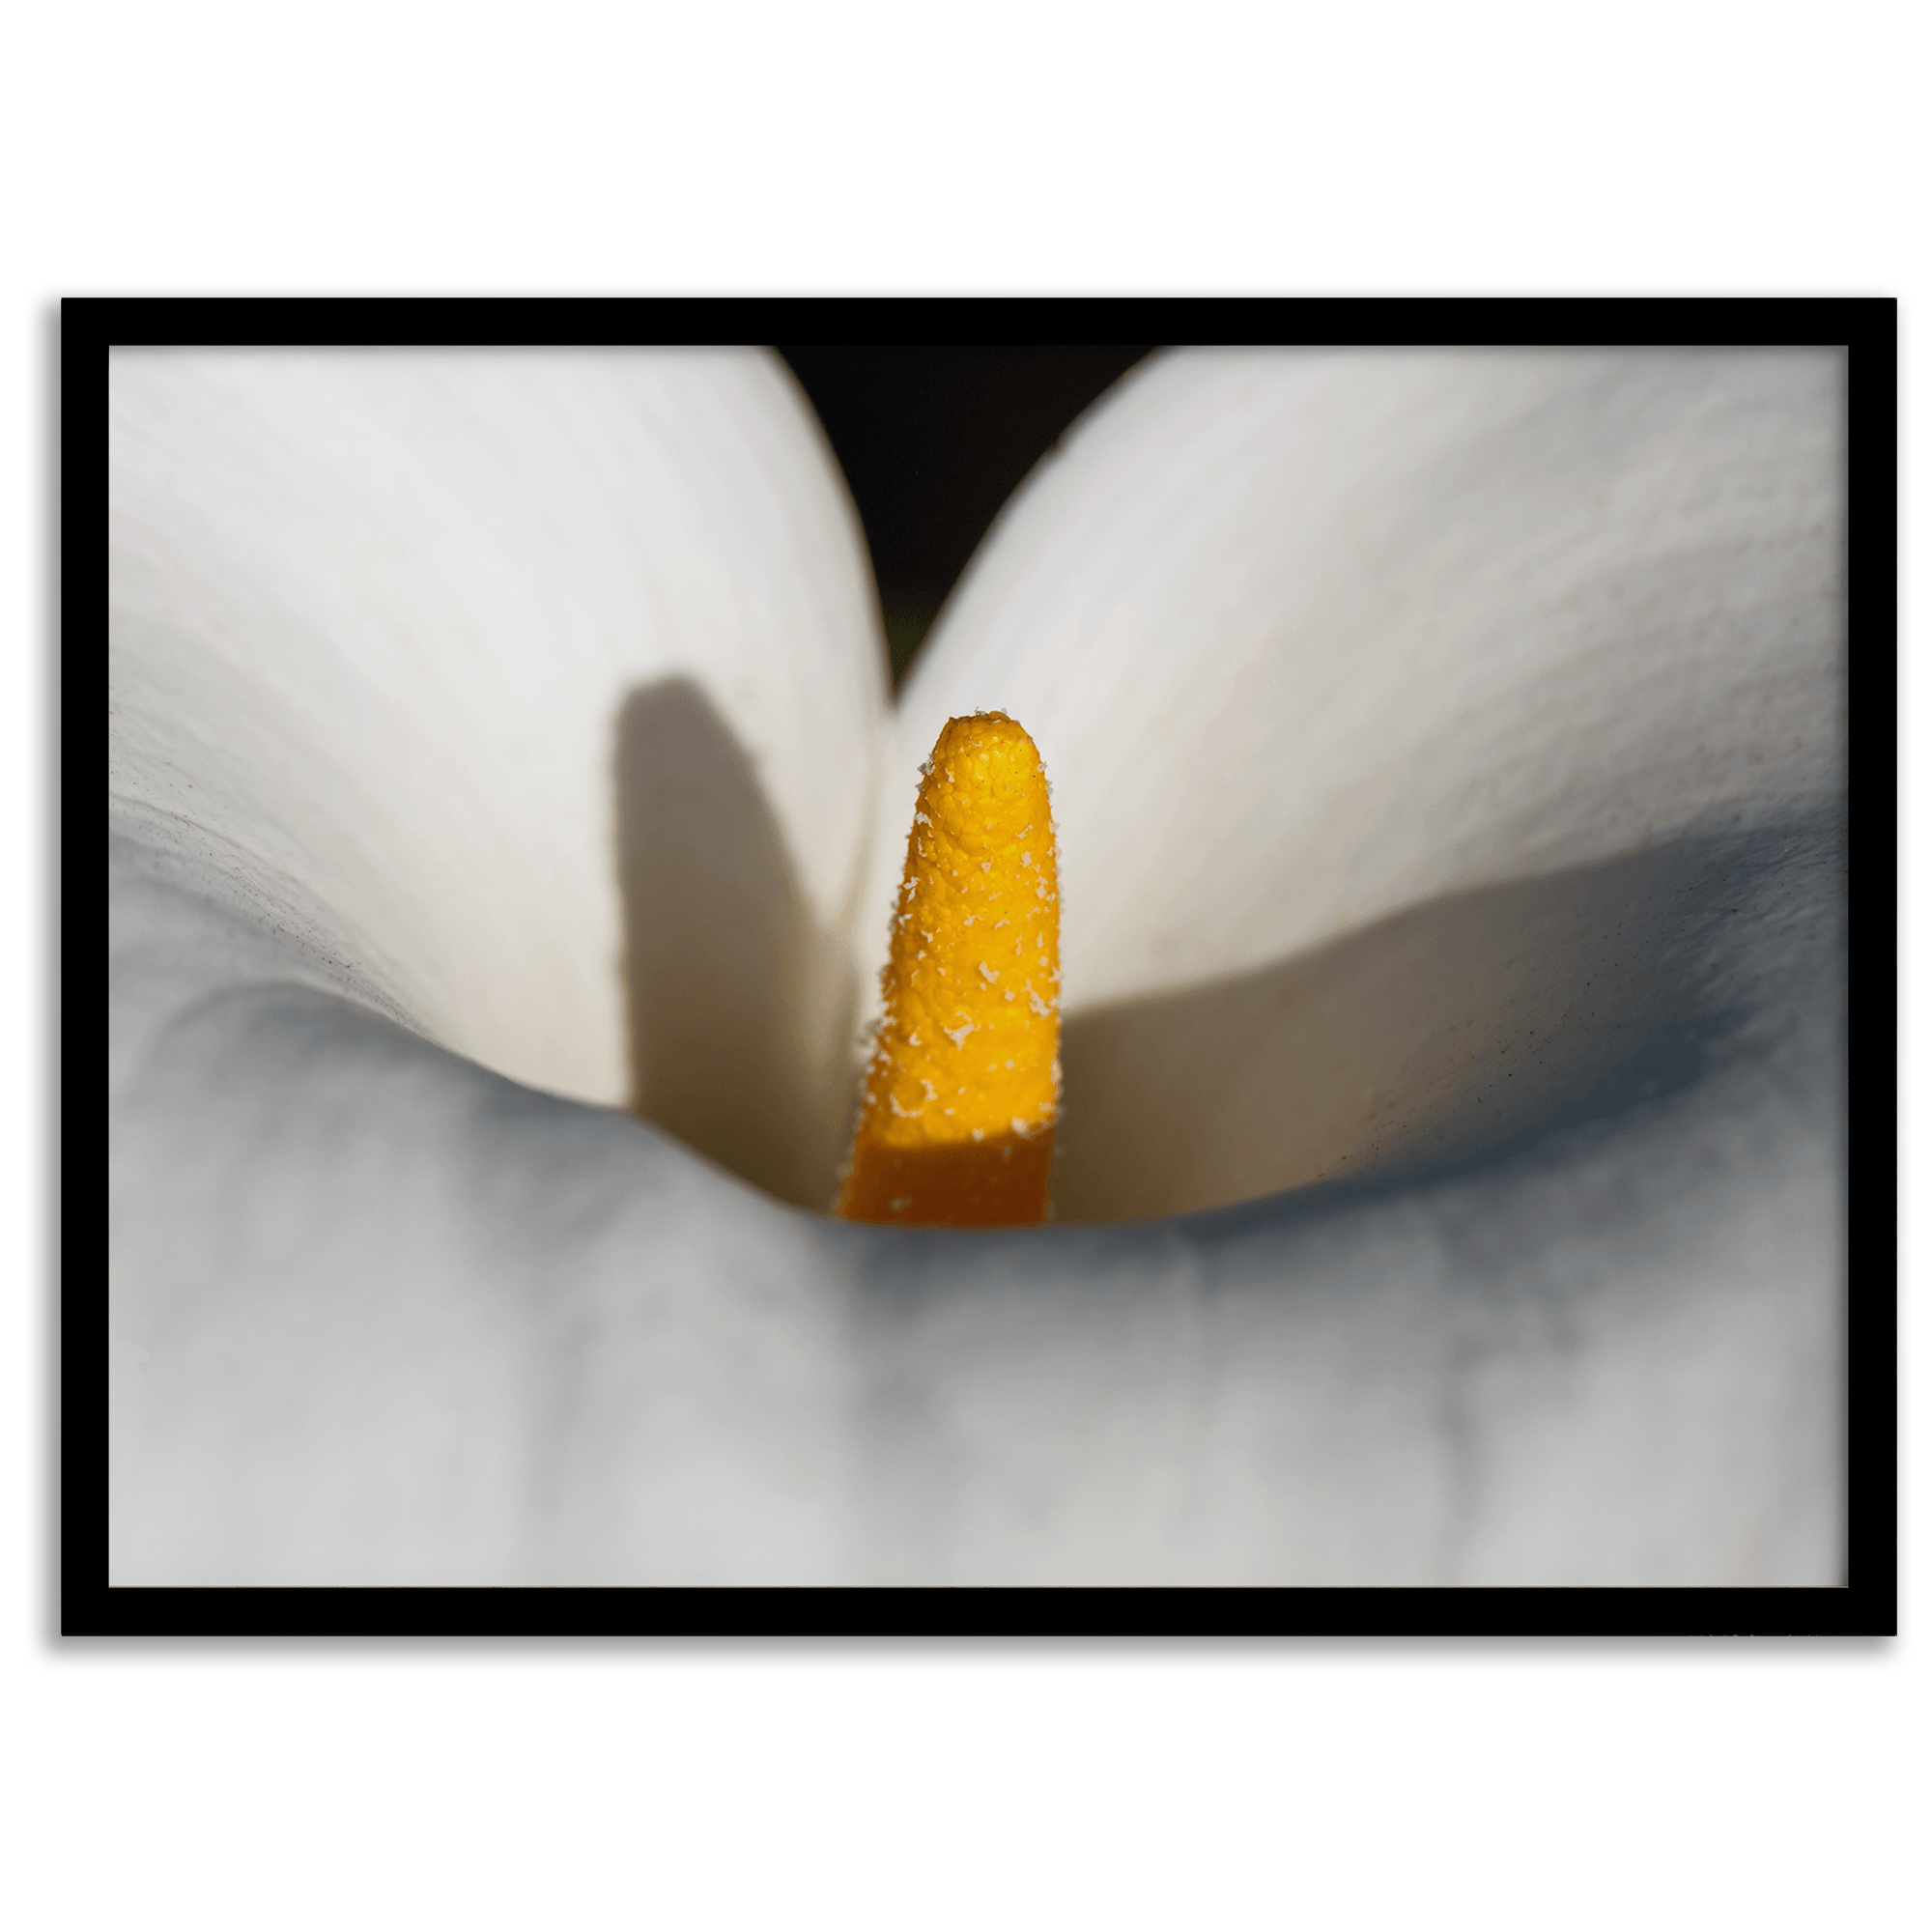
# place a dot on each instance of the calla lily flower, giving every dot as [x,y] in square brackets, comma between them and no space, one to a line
[505,808]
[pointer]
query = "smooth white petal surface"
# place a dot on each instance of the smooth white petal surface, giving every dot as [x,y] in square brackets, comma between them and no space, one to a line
[382,1316]
[1308,638]
[539,694]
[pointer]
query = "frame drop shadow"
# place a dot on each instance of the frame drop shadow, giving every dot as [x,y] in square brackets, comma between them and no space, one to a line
[739,1009]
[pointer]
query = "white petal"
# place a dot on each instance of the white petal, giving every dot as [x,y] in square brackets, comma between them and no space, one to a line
[1363,680]
[1308,638]
[524,688]
[381,1317]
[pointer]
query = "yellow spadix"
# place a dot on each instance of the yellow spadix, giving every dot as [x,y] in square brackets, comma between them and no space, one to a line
[956,1128]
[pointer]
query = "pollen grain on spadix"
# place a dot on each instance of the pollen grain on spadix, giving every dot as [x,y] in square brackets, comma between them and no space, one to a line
[956,1122]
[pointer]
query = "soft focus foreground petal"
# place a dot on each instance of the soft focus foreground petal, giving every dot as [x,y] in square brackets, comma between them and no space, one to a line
[531,698]
[382,1316]
[1398,709]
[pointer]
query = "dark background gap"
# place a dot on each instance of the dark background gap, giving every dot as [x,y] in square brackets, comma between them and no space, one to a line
[933,440]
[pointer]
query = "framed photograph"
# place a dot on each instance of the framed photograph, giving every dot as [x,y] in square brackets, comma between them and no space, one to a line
[925,979]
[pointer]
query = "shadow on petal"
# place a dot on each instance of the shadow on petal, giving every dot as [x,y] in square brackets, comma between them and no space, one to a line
[739,1010]
[1445,1038]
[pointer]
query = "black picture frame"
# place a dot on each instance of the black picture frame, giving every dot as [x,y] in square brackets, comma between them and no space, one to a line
[86,1606]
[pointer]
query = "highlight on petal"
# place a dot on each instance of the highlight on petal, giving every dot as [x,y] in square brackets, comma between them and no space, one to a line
[531,698]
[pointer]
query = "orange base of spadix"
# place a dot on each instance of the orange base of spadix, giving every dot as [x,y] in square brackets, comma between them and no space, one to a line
[1003,1184]
[956,1127]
